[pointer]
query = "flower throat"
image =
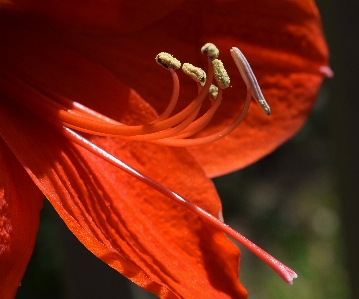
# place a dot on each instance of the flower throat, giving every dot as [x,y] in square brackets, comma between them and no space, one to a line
[174,130]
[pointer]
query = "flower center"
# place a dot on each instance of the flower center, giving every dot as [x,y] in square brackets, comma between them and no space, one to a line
[167,129]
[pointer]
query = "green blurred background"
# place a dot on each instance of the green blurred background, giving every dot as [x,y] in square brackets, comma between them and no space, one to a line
[300,203]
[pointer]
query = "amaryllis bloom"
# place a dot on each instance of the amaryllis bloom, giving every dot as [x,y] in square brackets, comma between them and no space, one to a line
[82,122]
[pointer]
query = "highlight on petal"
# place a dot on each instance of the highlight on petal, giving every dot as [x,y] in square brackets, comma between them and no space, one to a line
[20,205]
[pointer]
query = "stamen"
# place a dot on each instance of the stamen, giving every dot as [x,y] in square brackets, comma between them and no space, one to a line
[196,73]
[220,74]
[211,50]
[181,116]
[213,137]
[213,91]
[167,61]
[200,123]
[168,132]
[249,79]
[174,98]
[49,109]
[283,271]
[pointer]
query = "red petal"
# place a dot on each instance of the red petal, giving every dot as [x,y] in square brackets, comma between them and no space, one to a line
[20,205]
[129,57]
[98,14]
[286,54]
[145,236]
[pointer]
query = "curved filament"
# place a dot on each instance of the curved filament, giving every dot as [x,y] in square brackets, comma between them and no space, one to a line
[200,123]
[174,98]
[213,137]
[46,107]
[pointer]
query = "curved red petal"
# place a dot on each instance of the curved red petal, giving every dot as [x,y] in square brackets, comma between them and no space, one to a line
[292,48]
[282,40]
[284,43]
[88,193]
[142,234]
[20,205]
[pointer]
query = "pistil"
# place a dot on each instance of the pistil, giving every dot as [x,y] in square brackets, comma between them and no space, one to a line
[283,271]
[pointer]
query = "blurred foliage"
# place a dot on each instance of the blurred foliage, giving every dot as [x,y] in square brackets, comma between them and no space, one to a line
[44,277]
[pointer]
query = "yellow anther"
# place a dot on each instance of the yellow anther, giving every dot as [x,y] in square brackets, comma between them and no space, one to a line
[211,50]
[168,61]
[196,73]
[213,91]
[220,74]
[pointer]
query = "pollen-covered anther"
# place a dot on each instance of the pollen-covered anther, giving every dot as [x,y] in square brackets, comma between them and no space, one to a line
[220,74]
[168,61]
[213,91]
[211,50]
[196,73]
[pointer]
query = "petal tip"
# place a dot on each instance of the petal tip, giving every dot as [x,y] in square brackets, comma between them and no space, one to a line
[326,71]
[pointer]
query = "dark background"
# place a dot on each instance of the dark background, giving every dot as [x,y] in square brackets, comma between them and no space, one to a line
[300,203]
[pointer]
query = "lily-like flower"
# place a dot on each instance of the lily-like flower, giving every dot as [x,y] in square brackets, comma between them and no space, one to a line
[78,93]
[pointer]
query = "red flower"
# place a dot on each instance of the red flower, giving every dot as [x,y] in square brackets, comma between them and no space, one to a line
[55,54]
